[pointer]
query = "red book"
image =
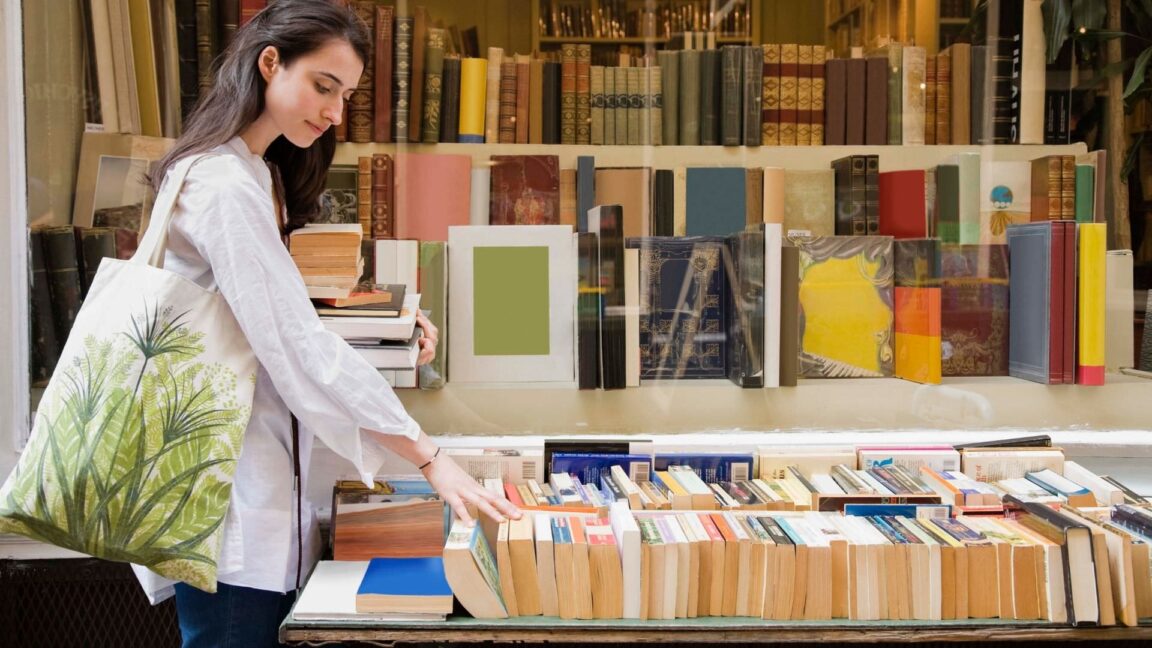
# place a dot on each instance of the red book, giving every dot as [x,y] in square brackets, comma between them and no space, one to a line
[903,211]
[512,494]
[249,8]
[382,105]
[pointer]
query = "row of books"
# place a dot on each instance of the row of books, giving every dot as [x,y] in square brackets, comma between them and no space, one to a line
[615,19]
[63,262]
[1079,566]
[965,199]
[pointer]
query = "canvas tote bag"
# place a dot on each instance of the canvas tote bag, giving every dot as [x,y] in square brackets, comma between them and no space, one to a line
[134,444]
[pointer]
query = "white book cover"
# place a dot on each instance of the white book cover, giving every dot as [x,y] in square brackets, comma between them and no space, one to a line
[1005,198]
[1119,304]
[377,328]
[774,460]
[512,304]
[1106,494]
[773,241]
[398,262]
[509,465]
[481,192]
[628,544]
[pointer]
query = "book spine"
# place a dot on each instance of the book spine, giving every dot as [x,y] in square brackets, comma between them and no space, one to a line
[731,95]
[655,106]
[912,95]
[416,86]
[433,84]
[789,93]
[623,104]
[360,120]
[383,224]
[598,102]
[62,264]
[835,98]
[186,46]
[568,93]
[634,90]
[819,54]
[450,113]
[803,95]
[872,193]
[944,98]
[493,95]
[895,94]
[770,96]
[536,101]
[711,107]
[364,194]
[382,89]
[473,90]
[930,100]
[550,104]
[206,43]
[689,127]
[44,345]
[507,115]
[523,87]
[401,97]
[670,95]
[583,93]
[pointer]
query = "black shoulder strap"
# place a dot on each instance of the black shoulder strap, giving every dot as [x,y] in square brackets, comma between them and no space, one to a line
[298,487]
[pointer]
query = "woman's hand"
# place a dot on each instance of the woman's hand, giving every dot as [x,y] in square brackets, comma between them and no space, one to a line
[428,341]
[458,489]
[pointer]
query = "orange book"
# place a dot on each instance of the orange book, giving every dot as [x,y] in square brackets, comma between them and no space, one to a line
[731,568]
[513,494]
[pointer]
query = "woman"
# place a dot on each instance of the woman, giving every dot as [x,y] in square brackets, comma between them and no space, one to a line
[280,88]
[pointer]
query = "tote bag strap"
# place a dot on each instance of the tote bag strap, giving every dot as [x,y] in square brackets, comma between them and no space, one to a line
[155,242]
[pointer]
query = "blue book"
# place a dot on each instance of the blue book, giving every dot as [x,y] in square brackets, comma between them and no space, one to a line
[899,510]
[683,321]
[1030,296]
[715,201]
[405,585]
[590,468]
[712,468]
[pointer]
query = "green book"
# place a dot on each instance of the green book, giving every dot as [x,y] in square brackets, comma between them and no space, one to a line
[433,85]
[1085,193]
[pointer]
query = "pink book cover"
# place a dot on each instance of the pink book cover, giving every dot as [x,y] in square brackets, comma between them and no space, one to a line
[432,193]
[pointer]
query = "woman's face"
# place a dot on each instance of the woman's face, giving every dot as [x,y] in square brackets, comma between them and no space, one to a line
[305,98]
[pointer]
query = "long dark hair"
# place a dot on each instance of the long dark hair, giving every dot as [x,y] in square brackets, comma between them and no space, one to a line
[296,28]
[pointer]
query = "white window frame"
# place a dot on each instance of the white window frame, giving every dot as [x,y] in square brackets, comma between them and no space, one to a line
[14,386]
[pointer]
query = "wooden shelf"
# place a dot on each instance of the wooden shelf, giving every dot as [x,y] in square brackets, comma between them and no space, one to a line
[892,158]
[698,631]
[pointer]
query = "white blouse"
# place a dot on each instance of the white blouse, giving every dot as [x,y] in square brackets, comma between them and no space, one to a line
[225,236]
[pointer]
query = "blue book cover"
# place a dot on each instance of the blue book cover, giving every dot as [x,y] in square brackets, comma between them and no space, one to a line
[899,510]
[715,202]
[683,319]
[712,468]
[590,468]
[412,577]
[1029,288]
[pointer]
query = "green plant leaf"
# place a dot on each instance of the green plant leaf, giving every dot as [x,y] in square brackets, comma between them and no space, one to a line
[1089,14]
[1057,16]
[1130,157]
[1138,72]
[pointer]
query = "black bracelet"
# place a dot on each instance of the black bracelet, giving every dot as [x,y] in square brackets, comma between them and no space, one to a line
[429,462]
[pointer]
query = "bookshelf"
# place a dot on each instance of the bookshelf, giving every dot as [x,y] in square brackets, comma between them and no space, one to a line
[931,24]
[640,26]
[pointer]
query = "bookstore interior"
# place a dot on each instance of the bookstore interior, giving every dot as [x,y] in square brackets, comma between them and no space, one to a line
[782,320]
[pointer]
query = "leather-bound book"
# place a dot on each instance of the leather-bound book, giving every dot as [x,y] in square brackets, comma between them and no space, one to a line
[525,190]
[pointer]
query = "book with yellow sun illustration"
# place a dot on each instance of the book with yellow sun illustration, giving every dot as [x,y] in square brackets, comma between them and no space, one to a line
[1005,198]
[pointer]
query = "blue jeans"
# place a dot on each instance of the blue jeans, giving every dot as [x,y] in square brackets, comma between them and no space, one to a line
[233,617]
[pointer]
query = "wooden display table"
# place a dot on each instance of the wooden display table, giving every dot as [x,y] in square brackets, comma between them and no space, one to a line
[696,631]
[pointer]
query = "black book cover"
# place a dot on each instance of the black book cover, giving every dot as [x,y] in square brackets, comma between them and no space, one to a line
[588,311]
[663,203]
[92,245]
[550,106]
[744,265]
[608,220]
[450,113]
[44,345]
[64,283]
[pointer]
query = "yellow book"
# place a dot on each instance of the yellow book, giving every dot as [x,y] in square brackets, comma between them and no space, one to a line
[1093,249]
[473,91]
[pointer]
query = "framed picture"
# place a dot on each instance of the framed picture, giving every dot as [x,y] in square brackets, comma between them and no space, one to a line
[111,183]
[512,303]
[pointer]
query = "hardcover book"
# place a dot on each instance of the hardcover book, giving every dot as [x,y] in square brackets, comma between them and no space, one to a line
[974,310]
[525,190]
[845,306]
[682,321]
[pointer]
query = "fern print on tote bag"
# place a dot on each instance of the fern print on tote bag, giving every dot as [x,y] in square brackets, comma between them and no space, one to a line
[134,444]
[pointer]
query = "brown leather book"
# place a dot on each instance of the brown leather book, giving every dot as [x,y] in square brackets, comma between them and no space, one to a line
[835,102]
[364,193]
[382,113]
[525,190]
[584,93]
[568,93]
[930,85]
[383,188]
[1046,188]
[360,121]
[523,82]
[789,94]
[854,98]
[536,101]
[506,123]
[1068,187]
[816,116]
[803,95]
[875,101]
[944,97]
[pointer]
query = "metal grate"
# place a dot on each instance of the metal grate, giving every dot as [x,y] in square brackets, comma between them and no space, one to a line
[80,602]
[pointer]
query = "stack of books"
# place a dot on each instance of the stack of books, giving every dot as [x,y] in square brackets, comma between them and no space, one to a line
[384,332]
[328,257]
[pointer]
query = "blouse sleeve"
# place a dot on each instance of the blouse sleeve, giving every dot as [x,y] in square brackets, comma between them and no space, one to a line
[229,218]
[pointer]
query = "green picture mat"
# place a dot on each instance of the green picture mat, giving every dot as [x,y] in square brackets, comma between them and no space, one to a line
[511,301]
